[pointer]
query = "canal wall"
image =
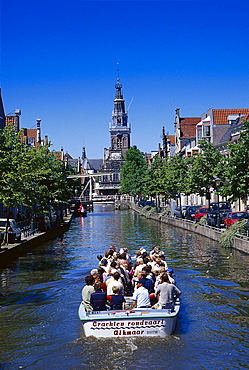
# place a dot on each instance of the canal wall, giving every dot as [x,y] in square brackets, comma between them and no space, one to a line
[240,243]
[12,251]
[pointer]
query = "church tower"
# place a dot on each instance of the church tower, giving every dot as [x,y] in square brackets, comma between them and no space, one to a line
[119,127]
[109,182]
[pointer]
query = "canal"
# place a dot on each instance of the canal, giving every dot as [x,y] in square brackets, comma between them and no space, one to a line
[41,292]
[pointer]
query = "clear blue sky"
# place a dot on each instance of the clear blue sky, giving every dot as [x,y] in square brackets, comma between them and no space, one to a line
[58,63]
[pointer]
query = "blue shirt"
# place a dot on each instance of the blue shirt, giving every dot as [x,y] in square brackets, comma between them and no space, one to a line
[117,302]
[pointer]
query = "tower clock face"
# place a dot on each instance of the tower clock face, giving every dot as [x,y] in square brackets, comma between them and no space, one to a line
[116,156]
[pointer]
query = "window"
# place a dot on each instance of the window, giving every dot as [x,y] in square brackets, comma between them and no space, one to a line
[206,130]
[199,133]
[31,141]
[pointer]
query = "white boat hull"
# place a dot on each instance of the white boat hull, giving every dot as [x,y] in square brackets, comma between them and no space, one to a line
[138,322]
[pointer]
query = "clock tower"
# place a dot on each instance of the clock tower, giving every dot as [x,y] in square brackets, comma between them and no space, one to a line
[120,142]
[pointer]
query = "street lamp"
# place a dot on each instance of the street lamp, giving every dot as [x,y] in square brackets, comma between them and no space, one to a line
[180,201]
[218,181]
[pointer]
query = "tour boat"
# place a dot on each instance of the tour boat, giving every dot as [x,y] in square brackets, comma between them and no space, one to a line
[136,322]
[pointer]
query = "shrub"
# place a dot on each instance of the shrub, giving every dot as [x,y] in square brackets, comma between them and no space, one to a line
[239,227]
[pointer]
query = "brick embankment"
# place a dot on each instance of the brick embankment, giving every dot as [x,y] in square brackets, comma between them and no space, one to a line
[12,251]
[240,243]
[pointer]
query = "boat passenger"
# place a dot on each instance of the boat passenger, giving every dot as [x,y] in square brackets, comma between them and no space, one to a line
[167,292]
[87,291]
[149,274]
[114,281]
[139,267]
[170,272]
[125,251]
[98,299]
[94,272]
[99,277]
[163,261]
[155,251]
[117,299]
[161,272]
[141,298]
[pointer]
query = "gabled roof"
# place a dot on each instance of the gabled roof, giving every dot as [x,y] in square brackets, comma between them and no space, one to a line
[188,126]
[96,164]
[221,115]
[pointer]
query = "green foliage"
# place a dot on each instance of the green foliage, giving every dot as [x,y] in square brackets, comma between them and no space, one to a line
[237,167]
[29,176]
[148,210]
[154,178]
[203,220]
[175,173]
[133,172]
[203,169]
[239,227]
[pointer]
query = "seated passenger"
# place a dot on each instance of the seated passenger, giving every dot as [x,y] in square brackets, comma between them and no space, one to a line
[98,299]
[115,281]
[168,293]
[170,272]
[117,300]
[147,283]
[87,291]
[141,298]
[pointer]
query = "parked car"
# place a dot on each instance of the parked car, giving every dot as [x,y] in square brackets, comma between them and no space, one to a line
[180,211]
[233,217]
[14,231]
[144,202]
[222,206]
[202,211]
[150,203]
[212,217]
[190,212]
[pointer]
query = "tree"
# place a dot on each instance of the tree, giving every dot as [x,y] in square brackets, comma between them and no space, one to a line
[29,176]
[237,168]
[203,169]
[154,178]
[133,172]
[175,172]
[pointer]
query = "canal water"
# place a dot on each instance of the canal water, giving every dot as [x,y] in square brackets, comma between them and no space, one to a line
[41,292]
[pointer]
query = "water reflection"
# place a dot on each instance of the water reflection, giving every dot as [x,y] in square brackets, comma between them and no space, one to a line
[40,294]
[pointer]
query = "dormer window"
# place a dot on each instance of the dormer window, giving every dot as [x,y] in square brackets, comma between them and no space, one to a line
[234,118]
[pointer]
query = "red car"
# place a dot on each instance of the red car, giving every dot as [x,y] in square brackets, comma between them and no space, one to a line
[201,212]
[232,217]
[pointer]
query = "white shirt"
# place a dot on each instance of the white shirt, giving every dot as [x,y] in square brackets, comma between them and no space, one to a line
[141,296]
[112,284]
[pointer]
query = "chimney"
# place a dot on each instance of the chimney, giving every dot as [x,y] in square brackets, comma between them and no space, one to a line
[17,119]
[62,154]
[38,128]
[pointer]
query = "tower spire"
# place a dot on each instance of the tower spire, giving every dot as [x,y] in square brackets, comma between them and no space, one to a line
[118,79]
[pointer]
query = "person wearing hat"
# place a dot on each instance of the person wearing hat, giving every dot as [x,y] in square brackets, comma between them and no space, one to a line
[170,272]
[141,298]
